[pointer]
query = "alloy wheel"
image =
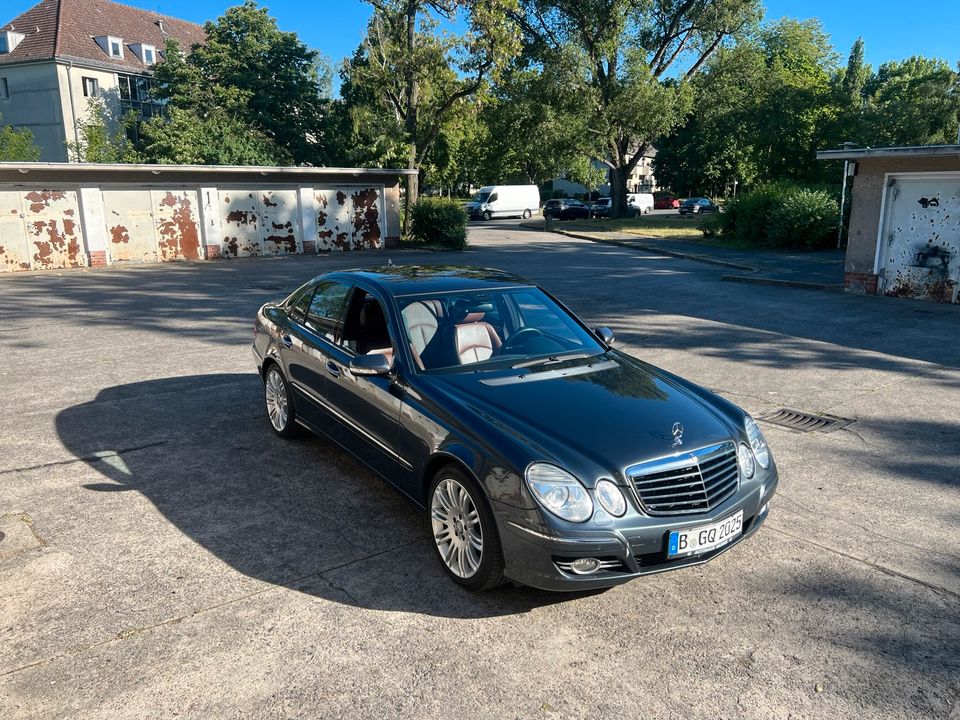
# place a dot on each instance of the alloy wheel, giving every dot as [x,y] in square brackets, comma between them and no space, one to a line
[456,528]
[276,397]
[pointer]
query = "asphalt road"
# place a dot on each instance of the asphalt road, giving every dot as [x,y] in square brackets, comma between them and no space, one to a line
[165,555]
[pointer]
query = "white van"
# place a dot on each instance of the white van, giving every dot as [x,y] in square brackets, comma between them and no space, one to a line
[500,201]
[639,203]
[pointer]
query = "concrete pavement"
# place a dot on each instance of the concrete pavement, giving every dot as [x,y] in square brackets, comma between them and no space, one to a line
[165,555]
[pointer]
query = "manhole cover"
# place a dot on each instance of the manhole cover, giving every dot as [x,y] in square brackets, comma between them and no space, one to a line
[803,421]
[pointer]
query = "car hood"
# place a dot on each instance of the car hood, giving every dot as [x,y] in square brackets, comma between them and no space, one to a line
[597,415]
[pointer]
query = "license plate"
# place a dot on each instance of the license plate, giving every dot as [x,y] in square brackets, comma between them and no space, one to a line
[703,538]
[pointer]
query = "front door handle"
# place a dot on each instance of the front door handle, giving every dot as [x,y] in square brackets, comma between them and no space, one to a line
[333,368]
[286,341]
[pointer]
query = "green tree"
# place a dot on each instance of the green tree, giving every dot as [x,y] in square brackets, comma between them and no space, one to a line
[102,137]
[912,102]
[636,59]
[585,171]
[185,137]
[263,78]
[855,77]
[411,79]
[536,122]
[17,145]
[763,108]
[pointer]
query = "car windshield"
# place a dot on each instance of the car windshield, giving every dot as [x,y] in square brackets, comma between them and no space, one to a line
[481,197]
[490,329]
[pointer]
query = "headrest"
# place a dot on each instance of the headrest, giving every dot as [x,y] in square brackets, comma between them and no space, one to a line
[371,317]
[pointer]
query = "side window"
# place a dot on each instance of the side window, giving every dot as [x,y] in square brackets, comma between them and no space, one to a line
[493,198]
[326,309]
[298,308]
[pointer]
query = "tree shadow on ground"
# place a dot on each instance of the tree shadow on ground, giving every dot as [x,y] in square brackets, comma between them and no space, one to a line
[299,513]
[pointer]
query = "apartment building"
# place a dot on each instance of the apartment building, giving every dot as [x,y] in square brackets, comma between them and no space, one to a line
[60,54]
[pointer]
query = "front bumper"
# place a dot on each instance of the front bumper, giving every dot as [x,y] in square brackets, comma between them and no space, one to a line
[532,554]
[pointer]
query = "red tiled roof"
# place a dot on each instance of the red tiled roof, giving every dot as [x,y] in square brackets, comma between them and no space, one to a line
[65,29]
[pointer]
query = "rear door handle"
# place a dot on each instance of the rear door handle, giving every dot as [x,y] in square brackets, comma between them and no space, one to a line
[333,368]
[286,341]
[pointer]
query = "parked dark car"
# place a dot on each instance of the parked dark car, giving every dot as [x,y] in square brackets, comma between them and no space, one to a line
[601,207]
[541,454]
[565,209]
[665,201]
[698,205]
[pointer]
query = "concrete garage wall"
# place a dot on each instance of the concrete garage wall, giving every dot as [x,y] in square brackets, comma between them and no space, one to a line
[61,215]
[861,272]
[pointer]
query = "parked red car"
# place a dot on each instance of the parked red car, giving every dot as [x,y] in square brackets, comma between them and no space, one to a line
[665,201]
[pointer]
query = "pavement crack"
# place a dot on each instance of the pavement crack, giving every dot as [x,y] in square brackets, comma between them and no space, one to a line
[94,457]
[128,633]
[874,565]
[868,530]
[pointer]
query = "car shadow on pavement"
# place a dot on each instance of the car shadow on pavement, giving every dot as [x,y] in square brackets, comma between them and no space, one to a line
[302,514]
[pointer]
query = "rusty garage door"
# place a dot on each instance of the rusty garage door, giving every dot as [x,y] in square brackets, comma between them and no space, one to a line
[14,248]
[349,218]
[919,251]
[260,222]
[40,229]
[151,225]
[131,235]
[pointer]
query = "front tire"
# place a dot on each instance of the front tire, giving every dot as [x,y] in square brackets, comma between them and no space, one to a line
[279,404]
[487,215]
[527,214]
[464,531]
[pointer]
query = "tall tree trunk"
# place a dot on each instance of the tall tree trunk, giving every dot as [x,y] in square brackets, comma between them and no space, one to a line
[618,190]
[412,89]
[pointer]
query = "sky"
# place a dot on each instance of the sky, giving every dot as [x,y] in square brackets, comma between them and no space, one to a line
[335,27]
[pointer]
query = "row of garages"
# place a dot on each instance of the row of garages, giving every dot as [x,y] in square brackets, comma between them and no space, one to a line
[61,215]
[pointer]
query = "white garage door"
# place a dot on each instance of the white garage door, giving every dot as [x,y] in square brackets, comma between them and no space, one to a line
[919,251]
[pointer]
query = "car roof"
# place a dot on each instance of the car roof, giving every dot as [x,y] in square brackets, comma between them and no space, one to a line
[399,280]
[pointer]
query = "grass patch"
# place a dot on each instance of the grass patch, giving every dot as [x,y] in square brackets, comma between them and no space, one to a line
[651,226]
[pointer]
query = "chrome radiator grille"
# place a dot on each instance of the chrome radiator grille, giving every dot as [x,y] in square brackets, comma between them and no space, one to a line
[695,482]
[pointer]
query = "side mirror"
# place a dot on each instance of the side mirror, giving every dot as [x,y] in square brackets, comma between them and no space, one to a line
[606,335]
[376,364]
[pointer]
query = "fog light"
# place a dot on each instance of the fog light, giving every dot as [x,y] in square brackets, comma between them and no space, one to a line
[585,566]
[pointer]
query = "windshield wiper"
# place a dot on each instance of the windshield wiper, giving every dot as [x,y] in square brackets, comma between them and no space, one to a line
[551,359]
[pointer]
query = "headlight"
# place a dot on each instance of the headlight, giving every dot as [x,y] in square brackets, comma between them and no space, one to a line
[746,461]
[610,498]
[758,443]
[559,492]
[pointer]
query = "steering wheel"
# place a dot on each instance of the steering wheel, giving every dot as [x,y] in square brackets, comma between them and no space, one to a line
[519,338]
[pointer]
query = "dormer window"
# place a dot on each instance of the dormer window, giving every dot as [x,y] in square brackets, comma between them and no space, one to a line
[146,53]
[112,46]
[9,40]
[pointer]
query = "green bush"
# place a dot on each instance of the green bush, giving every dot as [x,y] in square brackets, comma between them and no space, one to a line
[712,224]
[805,219]
[440,221]
[780,215]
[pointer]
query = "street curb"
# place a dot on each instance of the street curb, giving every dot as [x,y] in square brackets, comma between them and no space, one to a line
[657,251]
[831,287]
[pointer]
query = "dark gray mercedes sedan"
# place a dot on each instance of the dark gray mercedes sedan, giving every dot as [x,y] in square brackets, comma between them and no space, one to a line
[542,455]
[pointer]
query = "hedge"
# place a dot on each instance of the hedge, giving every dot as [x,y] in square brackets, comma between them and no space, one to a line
[780,215]
[440,221]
